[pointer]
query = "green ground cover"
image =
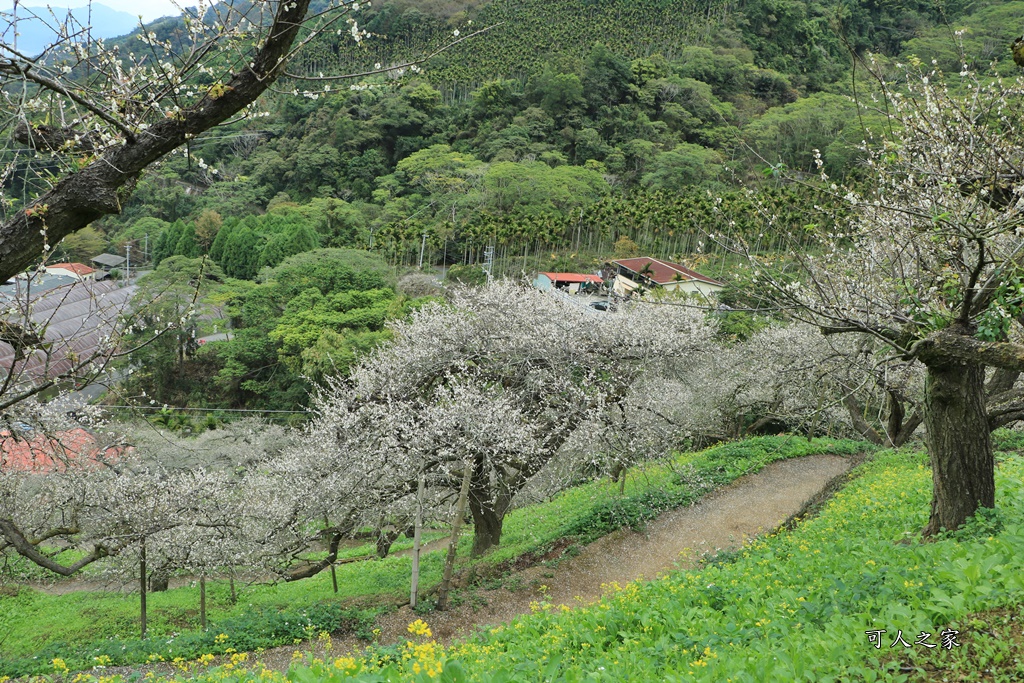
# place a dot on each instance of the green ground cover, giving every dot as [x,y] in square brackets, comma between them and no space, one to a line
[79,627]
[797,605]
[793,606]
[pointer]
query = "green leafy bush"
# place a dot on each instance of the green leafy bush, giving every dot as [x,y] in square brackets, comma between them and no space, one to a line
[260,628]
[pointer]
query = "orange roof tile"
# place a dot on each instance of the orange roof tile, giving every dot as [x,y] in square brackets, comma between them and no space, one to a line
[572,277]
[76,268]
[43,453]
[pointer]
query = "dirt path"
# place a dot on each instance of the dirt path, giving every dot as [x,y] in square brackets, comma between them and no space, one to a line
[677,539]
[749,506]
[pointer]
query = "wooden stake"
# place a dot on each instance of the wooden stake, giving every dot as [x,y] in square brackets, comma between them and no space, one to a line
[453,544]
[202,601]
[417,535]
[142,585]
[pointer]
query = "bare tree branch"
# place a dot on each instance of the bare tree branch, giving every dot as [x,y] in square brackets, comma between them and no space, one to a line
[28,550]
[104,185]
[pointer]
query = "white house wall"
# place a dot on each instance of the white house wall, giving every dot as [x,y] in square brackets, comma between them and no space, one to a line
[624,286]
[692,287]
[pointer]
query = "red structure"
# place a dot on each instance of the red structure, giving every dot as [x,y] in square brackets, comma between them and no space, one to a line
[31,452]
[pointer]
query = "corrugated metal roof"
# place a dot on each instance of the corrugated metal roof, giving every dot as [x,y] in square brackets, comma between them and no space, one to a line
[110,260]
[34,284]
[76,322]
[664,272]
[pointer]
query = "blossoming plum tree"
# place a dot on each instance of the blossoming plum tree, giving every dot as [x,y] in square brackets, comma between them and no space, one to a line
[496,380]
[929,266]
[193,504]
[81,122]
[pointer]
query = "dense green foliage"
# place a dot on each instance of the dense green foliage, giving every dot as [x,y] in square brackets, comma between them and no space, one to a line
[800,38]
[524,32]
[534,132]
[796,605]
[571,158]
[580,130]
[308,317]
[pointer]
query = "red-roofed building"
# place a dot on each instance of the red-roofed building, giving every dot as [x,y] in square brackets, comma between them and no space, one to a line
[632,273]
[572,282]
[31,452]
[79,271]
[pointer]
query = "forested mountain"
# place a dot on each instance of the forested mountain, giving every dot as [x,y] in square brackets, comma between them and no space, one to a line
[809,41]
[562,130]
[647,95]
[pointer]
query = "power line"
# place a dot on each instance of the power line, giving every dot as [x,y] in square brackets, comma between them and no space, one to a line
[208,410]
[716,309]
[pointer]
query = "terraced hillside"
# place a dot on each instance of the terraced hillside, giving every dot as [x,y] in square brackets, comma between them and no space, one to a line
[523,35]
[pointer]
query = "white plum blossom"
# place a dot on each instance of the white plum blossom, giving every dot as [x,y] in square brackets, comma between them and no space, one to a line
[497,379]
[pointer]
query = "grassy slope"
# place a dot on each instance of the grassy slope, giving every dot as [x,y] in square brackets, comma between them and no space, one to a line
[78,627]
[793,606]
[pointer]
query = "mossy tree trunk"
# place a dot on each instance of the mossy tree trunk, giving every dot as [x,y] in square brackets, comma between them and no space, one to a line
[959,446]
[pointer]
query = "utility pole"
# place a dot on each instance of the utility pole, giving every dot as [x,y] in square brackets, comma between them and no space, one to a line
[423,246]
[145,248]
[128,263]
[489,262]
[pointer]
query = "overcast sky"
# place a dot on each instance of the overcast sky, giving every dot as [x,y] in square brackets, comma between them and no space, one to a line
[149,9]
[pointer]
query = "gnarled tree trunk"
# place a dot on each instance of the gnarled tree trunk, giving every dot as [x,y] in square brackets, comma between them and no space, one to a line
[898,429]
[486,525]
[159,580]
[487,518]
[487,507]
[963,469]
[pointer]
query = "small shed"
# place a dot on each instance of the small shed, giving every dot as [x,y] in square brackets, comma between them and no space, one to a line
[79,271]
[108,261]
[570,282]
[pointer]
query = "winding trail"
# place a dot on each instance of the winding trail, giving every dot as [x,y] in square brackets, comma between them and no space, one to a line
[723,520]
